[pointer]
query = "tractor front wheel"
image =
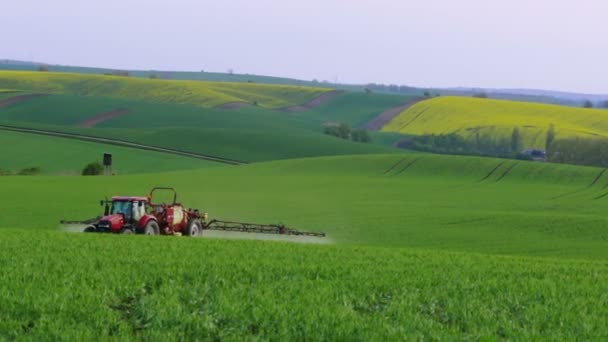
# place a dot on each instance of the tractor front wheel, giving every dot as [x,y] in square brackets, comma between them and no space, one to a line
[151,228]
[127,231]
[194,228]
[89,229]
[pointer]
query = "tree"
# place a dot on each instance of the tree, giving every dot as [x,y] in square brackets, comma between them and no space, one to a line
[92,169]
[550,137]
[427,94]
[588,104]
[360,135]
[605,104]
[515,140]
[481,95]
[43,68]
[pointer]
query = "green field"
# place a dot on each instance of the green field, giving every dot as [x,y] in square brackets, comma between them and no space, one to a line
[496,119]
[68,157]
[248,133]
[417,200]
[117,287]
[205,94]
[447,220]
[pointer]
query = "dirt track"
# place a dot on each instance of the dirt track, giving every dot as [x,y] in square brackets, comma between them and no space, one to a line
[18,99]
[317,101]
[117,142]
[385,117]
[101,117]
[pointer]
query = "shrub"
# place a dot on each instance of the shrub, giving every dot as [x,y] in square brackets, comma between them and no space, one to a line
[29,171]
[92,169]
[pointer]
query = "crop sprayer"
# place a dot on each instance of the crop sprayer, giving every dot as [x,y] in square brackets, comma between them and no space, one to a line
[142,215]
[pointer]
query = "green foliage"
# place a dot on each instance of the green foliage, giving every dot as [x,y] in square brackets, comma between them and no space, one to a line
[580,151]
[30,171]
[360,135]
[93,169]
[343,131]
[588,104]
[481,95]
[252,290]
[456,144]
[516,141]
[550,137]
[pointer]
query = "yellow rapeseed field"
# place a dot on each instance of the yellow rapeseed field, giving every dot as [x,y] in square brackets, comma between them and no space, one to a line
[206,94]
[470,117]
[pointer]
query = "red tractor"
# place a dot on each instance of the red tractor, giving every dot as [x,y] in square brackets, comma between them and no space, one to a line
[141,215]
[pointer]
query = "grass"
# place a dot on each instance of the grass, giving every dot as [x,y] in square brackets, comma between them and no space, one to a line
[116,287]
[497,118]
[462,204]
[205,94]
[68,157]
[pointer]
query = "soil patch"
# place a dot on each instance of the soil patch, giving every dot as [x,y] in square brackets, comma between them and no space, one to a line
[233,105]
[385,117]
[101,117]
[18,99]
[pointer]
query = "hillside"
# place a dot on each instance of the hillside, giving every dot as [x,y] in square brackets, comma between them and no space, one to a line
[58,156]
[205,94]
[246,133]
[475,118]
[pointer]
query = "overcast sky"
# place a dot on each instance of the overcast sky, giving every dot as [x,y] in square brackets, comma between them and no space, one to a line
[550,44]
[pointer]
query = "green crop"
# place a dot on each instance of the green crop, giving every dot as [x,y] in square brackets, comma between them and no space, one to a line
[416,200]
[89,287]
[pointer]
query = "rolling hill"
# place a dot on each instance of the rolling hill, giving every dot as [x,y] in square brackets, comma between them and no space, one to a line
[496,119]
[205,94]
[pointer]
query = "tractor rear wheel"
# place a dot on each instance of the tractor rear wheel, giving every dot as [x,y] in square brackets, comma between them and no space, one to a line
[151,228]
[194,228]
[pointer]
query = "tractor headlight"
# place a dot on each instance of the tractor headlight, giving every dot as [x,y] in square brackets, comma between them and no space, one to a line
[205,216]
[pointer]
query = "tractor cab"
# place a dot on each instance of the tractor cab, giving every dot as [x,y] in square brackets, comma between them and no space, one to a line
[132,208]
[122,213]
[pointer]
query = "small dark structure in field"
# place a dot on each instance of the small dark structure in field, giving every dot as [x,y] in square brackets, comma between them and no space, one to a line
[536,155]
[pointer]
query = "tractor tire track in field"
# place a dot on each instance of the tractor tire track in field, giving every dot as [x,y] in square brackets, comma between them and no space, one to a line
[101,117]
[385,117]
[413,119]
[317,101]
[507,171]
[492,172]
[18,99]
[410,164]
[395,165]
[601,196]
[117,142]
[595,180]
